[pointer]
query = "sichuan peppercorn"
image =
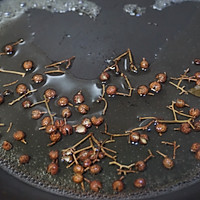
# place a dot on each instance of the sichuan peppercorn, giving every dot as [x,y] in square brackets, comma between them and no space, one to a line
[38,78]
[21,89]
[50,93]
[92,155]
[198,82]
[95,185]
[77,178]
[19,135]
[101,155]
[195,147]
[24,159]
[143,139]
[52,168]
[59,123]
[97,121]
[197,61]
[6,145]
[8,49]
[1,99]
[161,77]
[144,64]
[50,129]
[36,114]
[180,103]
[83,155]
[197,155]
[80,129]
[83,109]
[134,137]
[53,155]
[118,185]
[78,169]
[111,90]
[27,65]
[66,129]
[95,169]
[142,90]
[62,101]
[140,166]
[78,98]
[197,126]
[87,162]
[197,75]
[155,86]
[26,104]
[194,112]
[66,113]
[46,121]
[86,122]
[140,183]
[55,137]
[161,128]
[185,128]
[168,163]
[104,76]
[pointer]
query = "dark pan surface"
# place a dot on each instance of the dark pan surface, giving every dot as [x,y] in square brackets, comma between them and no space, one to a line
[170,47]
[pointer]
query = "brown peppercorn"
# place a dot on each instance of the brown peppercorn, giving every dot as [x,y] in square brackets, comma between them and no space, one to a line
[95,185]
[97,121]
[140,166]
[134,137]
[155,86]
[161,128]
[86,122]
[168,163]
[59,123]
[21,89]
[196,61]
[52,168]
[26,104]
[24,159]
[67,158]
[1,99]
[104,76]
[78,169]
[6,93]
[111,90]
[83,155]
[19,135]
[37,78]
[140,183]
[36,114]
[197,155]
[46,121]
[78,98]
[143,139]
[142,90]
[197,75]
[161,77]
[80,129]
[27,65]
[195,147]
[55,137]
[87,162]
[185,128]
[180,103]
[66,129]
[62,101]
[197,126]
[50,129]
[8,49]
[50,93]
[92,155]
[66,113]
[95,169]
[83,109]
[101,155]
[77,178]
[198,82]
[144,64]
[53,155]
[194,112]
[6,145]
[118,185]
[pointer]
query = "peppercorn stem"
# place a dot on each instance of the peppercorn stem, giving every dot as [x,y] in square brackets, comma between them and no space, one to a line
[55,64]
[107,149]
[69,62]
[13,72]
[9,128]
[185,78]
[22,96]
[121,56]
[54,71]
[132,66]
[48,109]
[161,154]
[75,159]
[86,148]
[16,43]
[149,156]
[23,141]
[9,84]
[174,113]
[180,88]
[51,144]
[92,145]
[120,171]
[36,103]
[105,106]
[121,165]
[1,124]
[180,113]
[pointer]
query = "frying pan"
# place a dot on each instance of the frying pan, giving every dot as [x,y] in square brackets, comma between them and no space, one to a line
[170,46]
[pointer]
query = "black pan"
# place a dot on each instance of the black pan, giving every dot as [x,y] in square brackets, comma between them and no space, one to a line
[169,40]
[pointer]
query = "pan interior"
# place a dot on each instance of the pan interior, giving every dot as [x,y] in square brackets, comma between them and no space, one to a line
[169,46]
